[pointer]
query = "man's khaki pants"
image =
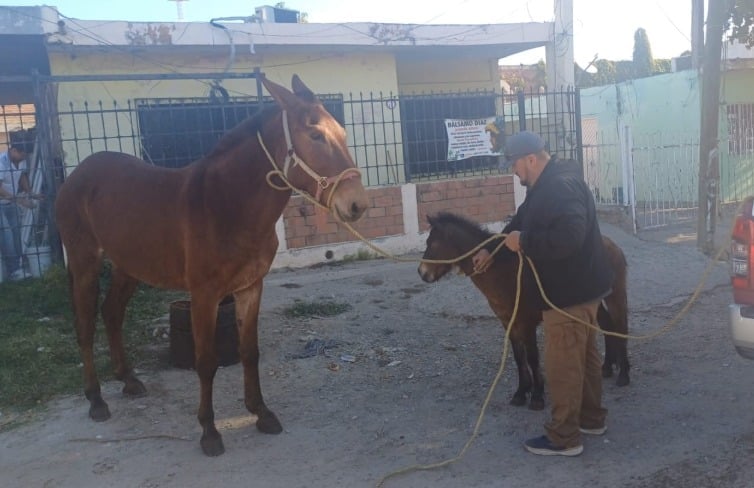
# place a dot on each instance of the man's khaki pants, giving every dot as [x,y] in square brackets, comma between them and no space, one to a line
[573,374]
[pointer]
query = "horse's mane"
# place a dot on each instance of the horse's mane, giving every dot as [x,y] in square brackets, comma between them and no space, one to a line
[244,130]
[457,225]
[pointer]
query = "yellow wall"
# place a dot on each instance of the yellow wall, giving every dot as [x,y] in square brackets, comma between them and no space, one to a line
[84,130]
[447,75]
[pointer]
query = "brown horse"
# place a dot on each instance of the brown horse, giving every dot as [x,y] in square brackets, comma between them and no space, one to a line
[208,228]
[451,236]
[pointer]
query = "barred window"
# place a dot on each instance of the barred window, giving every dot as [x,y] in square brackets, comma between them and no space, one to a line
[176,131]
[740,128]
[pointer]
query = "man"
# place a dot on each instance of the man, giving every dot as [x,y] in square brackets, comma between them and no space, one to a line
[556,226]
[14,191]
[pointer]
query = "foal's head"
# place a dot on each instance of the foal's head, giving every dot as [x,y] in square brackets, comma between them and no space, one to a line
[322,165]
[450,236]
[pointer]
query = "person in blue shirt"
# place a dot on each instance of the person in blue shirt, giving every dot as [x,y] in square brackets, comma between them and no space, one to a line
[15,192]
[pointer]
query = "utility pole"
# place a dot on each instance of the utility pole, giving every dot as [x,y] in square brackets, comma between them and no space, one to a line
[709,160]
[697,33]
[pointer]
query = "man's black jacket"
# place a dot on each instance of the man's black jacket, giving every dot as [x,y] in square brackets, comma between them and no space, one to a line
[560,233]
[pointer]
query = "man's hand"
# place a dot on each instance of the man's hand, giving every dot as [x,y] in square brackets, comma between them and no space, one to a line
[513,241]
[26,202]
[482,260]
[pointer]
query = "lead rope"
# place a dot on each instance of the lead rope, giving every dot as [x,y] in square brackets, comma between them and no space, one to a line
[487,398]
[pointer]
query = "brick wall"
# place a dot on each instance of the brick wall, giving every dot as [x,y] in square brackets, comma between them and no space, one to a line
[487,199]
[307,226]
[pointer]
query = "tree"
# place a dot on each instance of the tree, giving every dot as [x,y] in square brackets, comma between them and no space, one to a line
[643,61]
[741,22]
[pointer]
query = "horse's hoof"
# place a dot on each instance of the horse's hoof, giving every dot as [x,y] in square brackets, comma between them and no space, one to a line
[518,400]
[212,445]
[607,371]
[622,380]
[269,424]
[99,412]
[537,404]
[134,388]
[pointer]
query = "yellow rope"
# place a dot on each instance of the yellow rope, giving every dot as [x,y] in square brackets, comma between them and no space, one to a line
[307,196]
[490,391]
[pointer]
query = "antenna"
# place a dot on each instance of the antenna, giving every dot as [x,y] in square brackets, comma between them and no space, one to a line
[179,8]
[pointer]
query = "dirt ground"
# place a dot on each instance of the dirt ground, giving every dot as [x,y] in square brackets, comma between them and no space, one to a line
[402,381]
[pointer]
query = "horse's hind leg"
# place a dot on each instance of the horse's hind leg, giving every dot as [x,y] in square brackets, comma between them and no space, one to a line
[247,313]
[83,277]
[113,311]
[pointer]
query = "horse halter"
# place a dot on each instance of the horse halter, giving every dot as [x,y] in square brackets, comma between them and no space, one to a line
[292,160]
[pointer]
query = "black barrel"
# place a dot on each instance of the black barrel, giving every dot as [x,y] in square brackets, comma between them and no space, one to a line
[182,339]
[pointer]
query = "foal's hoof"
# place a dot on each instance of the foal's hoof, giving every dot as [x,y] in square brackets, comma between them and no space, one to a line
[538,404]
[518,400]
[269,424]
[98,411]
[622,380]
[134,388]
[212,445]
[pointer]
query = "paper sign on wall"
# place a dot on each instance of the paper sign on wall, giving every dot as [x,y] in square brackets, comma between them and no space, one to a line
[474,137]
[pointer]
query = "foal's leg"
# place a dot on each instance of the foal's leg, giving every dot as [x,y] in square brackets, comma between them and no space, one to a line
[606,323]
[537,401]
[620,345]
[83,277]
[203,324]
[524,376]
[615,319]
[113,311]
[247,313]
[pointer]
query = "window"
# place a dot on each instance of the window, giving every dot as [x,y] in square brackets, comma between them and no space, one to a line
[177,131]
[740,128]
[425,138]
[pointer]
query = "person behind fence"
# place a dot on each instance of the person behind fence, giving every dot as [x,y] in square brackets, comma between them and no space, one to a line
[15,194]
[556,226]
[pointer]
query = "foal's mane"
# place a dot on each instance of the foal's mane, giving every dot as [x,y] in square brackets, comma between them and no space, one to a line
[459,228]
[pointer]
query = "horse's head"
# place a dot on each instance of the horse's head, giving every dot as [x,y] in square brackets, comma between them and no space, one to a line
[312,152]
[450,236]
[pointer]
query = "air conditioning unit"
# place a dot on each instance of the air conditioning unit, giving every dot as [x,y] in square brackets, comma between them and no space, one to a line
[277,14]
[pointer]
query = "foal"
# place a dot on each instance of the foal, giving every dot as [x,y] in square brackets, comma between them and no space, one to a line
[451,236]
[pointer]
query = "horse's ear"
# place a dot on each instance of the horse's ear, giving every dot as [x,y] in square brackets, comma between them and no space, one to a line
[301,90]
[281,94]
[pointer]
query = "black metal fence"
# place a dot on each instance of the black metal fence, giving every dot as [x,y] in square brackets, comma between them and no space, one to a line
[403,138]
[394,139]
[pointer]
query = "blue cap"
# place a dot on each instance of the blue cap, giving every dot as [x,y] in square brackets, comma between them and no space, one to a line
[521,144]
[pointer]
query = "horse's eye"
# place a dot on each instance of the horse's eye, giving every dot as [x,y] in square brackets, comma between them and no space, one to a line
[317,136]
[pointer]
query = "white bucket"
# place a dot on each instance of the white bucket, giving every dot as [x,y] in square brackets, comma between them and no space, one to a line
[39,259]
